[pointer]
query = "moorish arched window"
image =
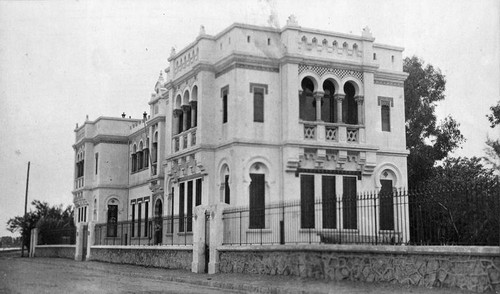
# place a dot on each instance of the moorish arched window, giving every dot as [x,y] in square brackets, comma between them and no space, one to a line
[307,103]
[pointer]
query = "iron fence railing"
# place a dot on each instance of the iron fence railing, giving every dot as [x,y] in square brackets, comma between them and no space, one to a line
[456,216]
[65,236]
[167,230]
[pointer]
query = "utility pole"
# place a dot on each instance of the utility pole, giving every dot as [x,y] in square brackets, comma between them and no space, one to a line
[25,207]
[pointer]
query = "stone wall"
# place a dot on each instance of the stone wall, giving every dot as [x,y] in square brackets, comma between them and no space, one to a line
[63,251]
[472,271]
[173,258]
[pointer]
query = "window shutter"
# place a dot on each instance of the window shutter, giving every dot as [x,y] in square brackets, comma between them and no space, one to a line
[386,206]
[386,118]
[258,106]
[349,211]
[257,201]
[307,201]
[329,202]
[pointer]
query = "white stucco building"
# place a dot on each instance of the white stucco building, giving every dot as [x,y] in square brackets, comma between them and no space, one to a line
[251,116]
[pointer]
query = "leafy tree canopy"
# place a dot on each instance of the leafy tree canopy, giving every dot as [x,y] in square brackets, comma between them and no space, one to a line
[44,216]
[494,117]
[461,172]
[427,140]
[493,146]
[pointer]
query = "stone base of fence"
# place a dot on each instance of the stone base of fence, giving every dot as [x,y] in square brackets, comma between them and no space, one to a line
[471,268]
[62,251]
[171,257]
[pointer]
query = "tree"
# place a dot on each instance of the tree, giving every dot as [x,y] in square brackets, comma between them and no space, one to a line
[493,146]
[427,140]
[45,217]
[494,117]
[458,205]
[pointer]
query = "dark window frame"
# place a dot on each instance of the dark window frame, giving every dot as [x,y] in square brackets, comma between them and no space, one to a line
[224,93]
[386,205]
[257,216]
[385,103]
[307,213]
[259,91]
[227,190]
[349,203]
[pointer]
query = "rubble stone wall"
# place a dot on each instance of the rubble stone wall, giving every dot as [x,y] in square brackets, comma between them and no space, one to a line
[474,272]
[63,251]
[174,258]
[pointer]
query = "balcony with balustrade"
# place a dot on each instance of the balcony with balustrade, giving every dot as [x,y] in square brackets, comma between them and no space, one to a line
[183,141]
[333,132]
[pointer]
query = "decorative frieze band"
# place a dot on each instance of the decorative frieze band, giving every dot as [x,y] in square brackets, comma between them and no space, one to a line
[247,66]
[389,83]
[321,71]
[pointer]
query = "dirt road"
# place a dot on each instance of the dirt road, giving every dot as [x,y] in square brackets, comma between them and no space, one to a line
[40,275]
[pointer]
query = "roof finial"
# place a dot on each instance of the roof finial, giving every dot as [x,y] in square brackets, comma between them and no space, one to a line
[202,30]
[172,51]
[366,32]
[160,78]
[292,21]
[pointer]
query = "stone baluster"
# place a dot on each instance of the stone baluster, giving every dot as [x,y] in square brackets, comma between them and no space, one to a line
[185,109]
[176,121]
[361,111]
[194,110]
[318,96]
[339,98]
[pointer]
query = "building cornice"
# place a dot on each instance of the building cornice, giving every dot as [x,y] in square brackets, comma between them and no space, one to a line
[198,67]
[156,119]
[331,34]
[396,76]
[98,139]
[388,47]
[399,153]
[289,143]
[106,118]
[340,64]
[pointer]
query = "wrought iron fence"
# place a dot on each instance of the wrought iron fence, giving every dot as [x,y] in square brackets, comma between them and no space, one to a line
[456,216]
[167,230]
[66,236]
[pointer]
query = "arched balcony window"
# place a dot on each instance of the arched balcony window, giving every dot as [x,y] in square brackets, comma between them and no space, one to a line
[154,153]
[134,159]
[145,154]
[140,157]
[349,105]
[307,103]
[328,105]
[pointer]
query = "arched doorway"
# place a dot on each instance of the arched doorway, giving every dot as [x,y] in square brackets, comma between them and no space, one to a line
[158,223]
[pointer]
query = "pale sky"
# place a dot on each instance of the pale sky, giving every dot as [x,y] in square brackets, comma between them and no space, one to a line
[61,60]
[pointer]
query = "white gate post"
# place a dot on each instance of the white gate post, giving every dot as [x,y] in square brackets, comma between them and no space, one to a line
[198,265]
[216,235]
[79,242]
[33,242]
[91,238]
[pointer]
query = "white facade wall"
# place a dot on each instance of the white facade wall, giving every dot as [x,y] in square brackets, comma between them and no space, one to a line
[277,60]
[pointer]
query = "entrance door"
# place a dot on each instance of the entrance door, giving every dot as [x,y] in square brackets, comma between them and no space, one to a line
[207,240]
[158,223]
[112,220]
[85,233]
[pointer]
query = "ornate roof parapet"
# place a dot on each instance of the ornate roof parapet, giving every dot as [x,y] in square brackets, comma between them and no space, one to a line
[292,21]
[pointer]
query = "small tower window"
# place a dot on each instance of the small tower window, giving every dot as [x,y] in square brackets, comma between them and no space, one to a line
[268,41]
[374,56]
[248,39]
